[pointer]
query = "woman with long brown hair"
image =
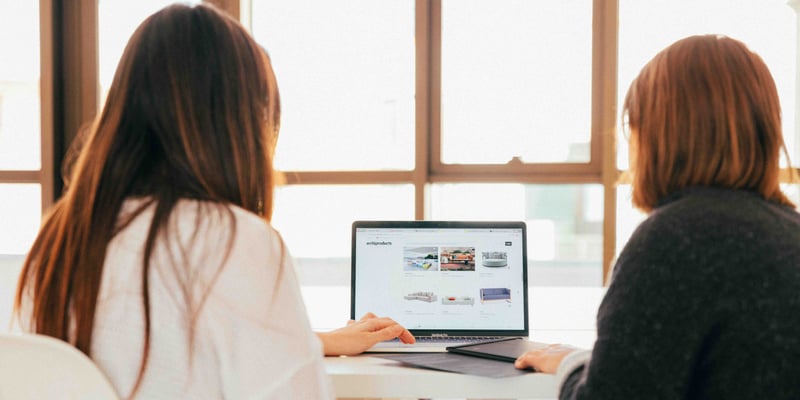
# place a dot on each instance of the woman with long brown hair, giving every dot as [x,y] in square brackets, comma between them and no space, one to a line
[158,261]
[704,302]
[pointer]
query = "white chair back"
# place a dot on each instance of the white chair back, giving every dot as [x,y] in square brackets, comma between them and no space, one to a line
[41,367]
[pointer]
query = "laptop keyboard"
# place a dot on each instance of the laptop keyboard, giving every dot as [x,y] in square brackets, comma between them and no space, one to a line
[449,339]
[429,344]
[455,339]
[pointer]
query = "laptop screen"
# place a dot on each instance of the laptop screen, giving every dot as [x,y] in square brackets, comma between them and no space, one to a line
[456,278]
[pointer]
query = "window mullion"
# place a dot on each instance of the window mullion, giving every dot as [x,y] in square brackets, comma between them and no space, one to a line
[76,88]
[604,117]
[46,88]
[428,69]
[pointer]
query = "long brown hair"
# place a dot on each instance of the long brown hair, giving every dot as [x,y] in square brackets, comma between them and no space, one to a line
[192,113]
[704,112]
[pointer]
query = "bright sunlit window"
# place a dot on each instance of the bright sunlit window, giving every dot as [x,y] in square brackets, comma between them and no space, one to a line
[19,86]
[345,70]
[768,27]
[398,109]
[20,132]
[516,81]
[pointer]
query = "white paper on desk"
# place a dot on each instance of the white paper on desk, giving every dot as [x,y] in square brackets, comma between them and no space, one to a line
[459,363]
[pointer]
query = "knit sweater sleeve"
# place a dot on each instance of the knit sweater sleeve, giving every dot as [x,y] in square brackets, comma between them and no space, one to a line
[649,325]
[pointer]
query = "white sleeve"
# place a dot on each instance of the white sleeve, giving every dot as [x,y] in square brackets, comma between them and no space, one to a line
[257,324]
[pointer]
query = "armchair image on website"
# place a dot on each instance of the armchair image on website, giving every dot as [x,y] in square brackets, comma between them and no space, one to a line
[494,259]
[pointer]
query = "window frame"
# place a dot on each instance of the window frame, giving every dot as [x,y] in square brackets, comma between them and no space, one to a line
[69,100]
[428,167]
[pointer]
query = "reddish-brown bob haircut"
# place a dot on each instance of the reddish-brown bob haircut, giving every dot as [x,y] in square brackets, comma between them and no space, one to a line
[704,112]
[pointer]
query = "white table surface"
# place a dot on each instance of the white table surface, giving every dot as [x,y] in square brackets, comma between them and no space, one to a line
[371,377]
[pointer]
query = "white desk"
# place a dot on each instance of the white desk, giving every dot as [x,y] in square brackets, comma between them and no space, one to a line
[370,377]
[558,315]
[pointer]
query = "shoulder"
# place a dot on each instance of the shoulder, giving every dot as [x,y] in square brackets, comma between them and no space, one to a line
[707,231]
[233,253]
[210,222]
[703,204]
[228,240]
[704,213]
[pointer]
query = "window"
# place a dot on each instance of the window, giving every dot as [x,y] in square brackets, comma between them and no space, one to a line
[21,133]
[515,105]
[768,27]
[454,102]
[516,81]
[399,109]
[345,70]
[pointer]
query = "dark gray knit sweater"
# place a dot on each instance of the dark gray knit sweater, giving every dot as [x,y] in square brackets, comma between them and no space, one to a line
[704,304]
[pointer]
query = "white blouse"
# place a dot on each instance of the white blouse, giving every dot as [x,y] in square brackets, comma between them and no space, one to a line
[226,322]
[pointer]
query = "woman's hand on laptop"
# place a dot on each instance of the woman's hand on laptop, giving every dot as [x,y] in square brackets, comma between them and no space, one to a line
[545,359]
[360,335]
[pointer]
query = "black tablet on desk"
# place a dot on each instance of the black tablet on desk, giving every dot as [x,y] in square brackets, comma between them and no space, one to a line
[503,350]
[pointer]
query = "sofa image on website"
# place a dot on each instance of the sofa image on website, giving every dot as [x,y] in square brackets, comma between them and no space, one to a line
[493,294]
[458,300]
[429,297]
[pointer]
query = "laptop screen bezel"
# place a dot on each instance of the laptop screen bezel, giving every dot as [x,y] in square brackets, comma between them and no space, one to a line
[447,225]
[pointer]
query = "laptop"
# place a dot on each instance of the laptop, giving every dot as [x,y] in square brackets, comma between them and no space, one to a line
[449,282]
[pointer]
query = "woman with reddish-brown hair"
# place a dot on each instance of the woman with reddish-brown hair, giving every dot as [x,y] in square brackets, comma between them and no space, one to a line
[159,261]
[704,302]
